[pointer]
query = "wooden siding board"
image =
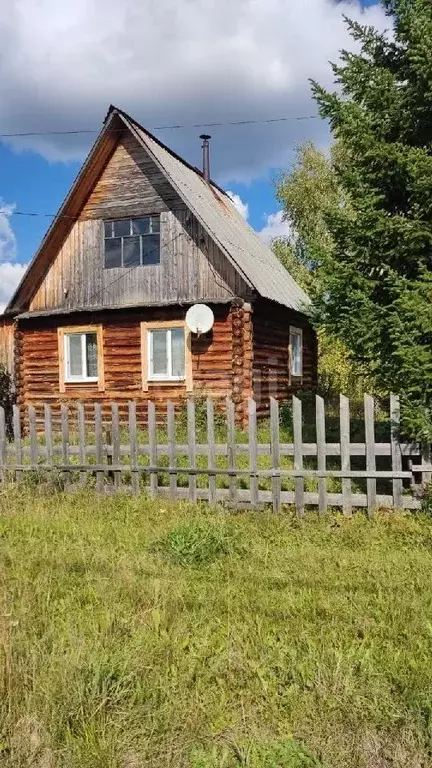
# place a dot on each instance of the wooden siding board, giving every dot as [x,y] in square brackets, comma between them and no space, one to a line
[39,371]
[7,331]
[271,324]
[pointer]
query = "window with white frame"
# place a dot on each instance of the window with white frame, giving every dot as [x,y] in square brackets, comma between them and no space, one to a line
[296,352]
[166,354]
[81,356]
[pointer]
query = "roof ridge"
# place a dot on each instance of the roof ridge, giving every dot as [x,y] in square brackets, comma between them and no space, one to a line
[131,119]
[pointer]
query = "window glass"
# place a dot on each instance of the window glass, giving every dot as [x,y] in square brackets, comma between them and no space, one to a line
[141,226]
[131,251]
[159,353]
[91,355]
[177,352]
[108,228]
[296,353]
[113,253]
[75,355]
[122,228]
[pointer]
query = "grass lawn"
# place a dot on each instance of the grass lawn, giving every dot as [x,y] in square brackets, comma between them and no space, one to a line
[135,633]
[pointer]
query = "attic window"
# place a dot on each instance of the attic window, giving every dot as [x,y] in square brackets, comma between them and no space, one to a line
[132,242]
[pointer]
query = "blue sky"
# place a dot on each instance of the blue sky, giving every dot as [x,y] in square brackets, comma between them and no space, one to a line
[55,76]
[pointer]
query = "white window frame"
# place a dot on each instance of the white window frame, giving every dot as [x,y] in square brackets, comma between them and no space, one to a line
[298,332]
[68,377]
[164,376]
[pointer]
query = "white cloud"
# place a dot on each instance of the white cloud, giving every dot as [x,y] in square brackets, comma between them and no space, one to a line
[275,226]
[166,62]
[7,235]
[10,271]
[10,275]
[242,207]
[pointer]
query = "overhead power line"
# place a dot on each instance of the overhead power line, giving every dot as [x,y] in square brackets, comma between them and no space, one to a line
[267,121]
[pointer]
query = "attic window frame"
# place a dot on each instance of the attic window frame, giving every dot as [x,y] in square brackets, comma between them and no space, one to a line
[141,235]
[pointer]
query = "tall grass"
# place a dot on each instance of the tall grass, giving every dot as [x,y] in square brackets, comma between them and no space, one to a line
[135,634]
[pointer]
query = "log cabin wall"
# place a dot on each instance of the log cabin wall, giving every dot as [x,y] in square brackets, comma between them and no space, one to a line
[39,371]
[7,343]
[271,369]
[192,267]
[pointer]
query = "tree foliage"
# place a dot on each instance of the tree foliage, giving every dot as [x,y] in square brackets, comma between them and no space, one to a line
[7,398]
[309,192]
[376,278]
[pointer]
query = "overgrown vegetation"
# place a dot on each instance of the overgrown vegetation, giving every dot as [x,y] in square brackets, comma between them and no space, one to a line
[362,217]
[7,398]
[134,633]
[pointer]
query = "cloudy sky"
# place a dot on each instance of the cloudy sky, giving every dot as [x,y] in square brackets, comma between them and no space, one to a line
[166,63]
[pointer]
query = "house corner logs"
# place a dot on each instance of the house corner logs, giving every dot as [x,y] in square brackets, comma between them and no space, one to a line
[242,358]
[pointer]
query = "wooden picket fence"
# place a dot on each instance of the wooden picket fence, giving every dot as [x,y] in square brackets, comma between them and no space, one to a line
[112,456]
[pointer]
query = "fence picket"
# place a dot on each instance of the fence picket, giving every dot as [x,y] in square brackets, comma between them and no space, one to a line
[3,446]
[191,430]
[172,448]
[231,444]
[16,419]
[345,441]
[321,452]
[211,454]
[253,453]
[49,450]
[100,479]
[82,440]
[152,436]
[298,455]
[396,449]
[369,408]
[426,458]
[91,458]
[33,436]
[115,426]
[275,453]
[133,445]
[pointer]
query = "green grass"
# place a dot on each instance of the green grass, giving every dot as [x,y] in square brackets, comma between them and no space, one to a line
[135,633]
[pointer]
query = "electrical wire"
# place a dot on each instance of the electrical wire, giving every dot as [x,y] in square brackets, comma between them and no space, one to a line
[265,121]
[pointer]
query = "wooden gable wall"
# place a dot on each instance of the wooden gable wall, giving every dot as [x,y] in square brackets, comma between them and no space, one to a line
[192,268]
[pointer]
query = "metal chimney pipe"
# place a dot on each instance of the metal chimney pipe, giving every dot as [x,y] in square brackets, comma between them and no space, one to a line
[206,156]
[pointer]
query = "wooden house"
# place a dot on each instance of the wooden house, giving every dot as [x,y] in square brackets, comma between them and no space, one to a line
[142,236]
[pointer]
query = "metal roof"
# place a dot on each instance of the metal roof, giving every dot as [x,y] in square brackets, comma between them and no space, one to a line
[251,256]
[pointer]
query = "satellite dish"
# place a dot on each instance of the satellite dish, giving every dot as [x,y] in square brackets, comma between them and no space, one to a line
[199,319]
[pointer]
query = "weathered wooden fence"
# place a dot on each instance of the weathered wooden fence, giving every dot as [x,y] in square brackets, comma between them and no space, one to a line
[248,469]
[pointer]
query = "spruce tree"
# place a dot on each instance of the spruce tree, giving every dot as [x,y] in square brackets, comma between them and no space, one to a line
[377,280]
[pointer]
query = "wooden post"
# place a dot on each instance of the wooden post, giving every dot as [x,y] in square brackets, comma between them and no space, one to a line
[321,453]
[211,453]
[231,444]
[172,449]
[133,447]
[298,454]
[396,450]
[3,446]
[48,435]
[253,453]
[17,440]
[82,441]
[275,453]
[33,437]
[152,434]
[99,447]
[191,428]
[116,455]
[369,409]
[345,443]
[426,460]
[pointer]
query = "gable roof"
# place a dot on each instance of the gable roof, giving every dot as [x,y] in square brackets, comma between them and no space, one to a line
[213,208]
